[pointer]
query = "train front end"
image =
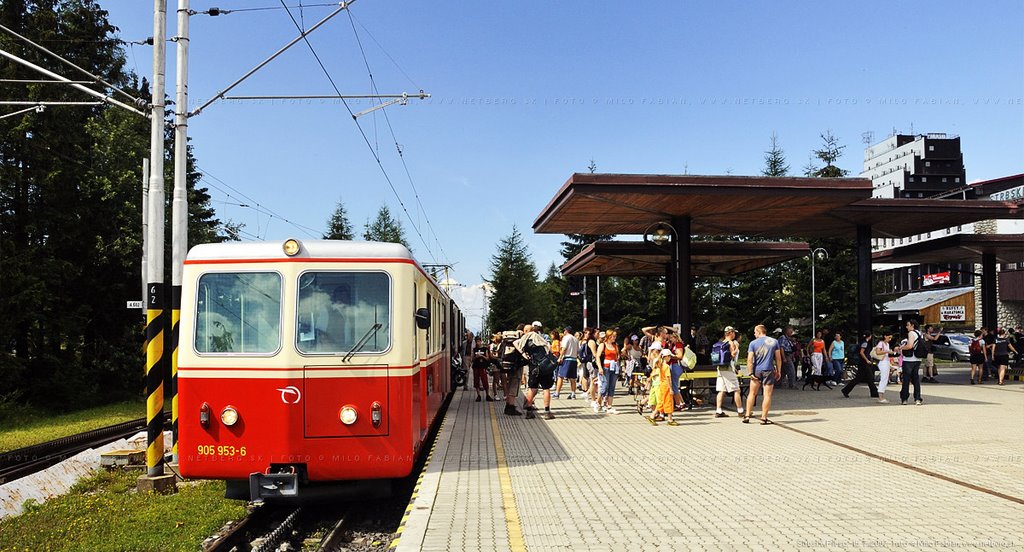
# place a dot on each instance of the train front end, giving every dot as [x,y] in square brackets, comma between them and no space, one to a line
[293,366]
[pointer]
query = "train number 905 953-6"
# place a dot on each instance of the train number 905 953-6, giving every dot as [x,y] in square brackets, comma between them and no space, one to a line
[220,450]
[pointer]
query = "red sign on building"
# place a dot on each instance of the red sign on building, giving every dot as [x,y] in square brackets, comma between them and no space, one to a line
[935,279]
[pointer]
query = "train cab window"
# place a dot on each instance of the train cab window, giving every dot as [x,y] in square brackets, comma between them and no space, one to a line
[238,312]
[339,310]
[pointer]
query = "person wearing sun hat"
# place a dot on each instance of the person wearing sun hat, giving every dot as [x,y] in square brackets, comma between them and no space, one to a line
[666,399]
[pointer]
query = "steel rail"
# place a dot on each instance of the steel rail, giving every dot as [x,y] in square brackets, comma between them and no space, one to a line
[24,461]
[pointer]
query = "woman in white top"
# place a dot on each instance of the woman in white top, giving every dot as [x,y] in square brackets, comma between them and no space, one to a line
[881,354]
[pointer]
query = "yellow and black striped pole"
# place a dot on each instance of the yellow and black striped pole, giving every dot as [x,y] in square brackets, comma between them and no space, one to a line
[175,317]
[155,379]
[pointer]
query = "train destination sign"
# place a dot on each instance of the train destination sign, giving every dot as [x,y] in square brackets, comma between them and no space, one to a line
[134,305]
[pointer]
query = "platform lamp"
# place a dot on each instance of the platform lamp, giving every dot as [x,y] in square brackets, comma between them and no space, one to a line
[658,234]
[814,314]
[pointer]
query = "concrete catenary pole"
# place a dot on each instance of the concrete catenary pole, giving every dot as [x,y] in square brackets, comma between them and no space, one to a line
[145,232]
[155,300]
[179,205]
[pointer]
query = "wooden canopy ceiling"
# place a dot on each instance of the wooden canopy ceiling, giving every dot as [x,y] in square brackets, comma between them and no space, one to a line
[957,248]
[771,207]
[620,258]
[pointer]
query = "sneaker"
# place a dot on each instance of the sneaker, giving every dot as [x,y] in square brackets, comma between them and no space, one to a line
[554,395]
[549,415]
[595,408]
[972,382]
[511,411]
[477,398]
[903,402]
[530,408]
[530,415]
[883,400]
[572,396]
[612,411]
[845,394]
[721,415]
[918,403]
[490,398]
[604,409]
[593,404]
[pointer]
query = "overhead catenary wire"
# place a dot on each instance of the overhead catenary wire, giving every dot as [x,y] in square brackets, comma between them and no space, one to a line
[252,203]
[366,139]
[394,137]
[139,102]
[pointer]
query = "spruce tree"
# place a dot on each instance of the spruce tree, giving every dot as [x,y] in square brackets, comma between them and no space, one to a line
[338,226]
[385,228]
[775,160]
[829,152]
[515,299]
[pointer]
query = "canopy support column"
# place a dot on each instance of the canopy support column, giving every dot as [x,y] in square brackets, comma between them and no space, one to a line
[988,291]
[683,283]
[864,280]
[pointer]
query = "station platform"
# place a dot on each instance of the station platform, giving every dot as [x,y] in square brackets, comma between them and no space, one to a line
[832,473]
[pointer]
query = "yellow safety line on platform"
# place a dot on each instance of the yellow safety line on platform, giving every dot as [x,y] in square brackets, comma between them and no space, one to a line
[508,497]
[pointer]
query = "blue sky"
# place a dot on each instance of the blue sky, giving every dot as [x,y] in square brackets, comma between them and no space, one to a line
[525,93]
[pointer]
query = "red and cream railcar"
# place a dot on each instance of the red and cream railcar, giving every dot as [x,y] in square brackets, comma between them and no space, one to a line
[307,362]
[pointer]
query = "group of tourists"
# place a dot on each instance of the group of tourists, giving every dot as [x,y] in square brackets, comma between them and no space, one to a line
[592,363]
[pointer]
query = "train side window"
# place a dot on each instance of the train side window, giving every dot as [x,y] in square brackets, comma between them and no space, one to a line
[238,312]
[336,311]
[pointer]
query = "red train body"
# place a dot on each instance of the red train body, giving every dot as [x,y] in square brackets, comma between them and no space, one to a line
[310,362]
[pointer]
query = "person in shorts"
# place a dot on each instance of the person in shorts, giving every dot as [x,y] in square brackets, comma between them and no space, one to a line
[978,354]
[930,334]
[764,362]
[1001,348]
[569,348]
[481,360]
[532,342]
[513,372]
[727,382]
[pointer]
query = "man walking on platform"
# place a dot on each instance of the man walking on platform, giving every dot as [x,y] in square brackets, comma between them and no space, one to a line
[764,362]
[570,347]
[532,345]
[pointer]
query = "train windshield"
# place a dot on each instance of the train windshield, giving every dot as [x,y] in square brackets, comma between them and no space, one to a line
[336,310]
[238,312]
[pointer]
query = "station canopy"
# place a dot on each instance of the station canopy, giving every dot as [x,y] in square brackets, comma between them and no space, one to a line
[768,207]
[718,258]
[957,248]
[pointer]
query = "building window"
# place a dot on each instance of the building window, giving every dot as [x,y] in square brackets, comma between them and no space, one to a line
[924,179]
[931,148]
[927,163]
[957,179]
[943,178]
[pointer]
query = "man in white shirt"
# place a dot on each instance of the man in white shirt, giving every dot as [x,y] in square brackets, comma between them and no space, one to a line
[570,347]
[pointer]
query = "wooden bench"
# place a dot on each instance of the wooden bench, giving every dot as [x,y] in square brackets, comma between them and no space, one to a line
[701,383]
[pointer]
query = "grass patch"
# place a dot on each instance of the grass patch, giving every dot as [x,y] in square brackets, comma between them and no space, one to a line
[104,512]
[31,426]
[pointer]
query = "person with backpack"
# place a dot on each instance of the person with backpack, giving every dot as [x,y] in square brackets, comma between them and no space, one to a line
[913,353]
[977,350]
[542,366]
[723,356]
[512,362]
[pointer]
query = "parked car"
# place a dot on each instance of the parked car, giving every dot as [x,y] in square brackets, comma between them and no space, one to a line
[954,347]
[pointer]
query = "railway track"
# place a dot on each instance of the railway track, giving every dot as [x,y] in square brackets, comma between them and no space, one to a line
[18,463]
[267,528]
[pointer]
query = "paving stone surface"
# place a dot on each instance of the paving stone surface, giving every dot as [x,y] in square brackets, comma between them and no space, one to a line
[587,481]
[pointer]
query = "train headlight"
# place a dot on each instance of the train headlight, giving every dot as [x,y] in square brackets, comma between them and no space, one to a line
[291,247]
[229,416]
[204,415]
[348,415]
[375,414]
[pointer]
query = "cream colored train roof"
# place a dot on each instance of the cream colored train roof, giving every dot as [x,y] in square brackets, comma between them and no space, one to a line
[308,248]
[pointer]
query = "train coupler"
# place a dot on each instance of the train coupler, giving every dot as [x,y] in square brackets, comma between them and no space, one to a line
[273,485]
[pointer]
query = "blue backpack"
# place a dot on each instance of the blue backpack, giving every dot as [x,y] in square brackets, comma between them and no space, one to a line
[720,353]
[585,355]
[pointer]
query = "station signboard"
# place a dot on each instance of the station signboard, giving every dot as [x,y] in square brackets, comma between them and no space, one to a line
[955,313]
